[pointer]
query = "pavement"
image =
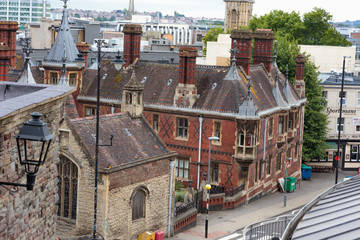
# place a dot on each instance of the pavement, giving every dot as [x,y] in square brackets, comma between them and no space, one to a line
[225,224]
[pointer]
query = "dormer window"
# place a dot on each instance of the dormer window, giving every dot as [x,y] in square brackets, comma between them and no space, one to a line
[128,98]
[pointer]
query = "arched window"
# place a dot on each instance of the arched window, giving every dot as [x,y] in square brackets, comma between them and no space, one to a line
[139,203]
[128,98]
[67,188]
[233,17]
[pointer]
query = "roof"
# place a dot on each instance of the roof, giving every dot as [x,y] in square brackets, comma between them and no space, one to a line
[15,96]
[64,45]
[333,215]
[219,89]
[133,138]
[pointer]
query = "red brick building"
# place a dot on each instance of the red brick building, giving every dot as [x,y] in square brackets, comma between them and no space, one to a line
[254,110]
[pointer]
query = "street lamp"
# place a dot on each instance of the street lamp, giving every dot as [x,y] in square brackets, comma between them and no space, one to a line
[99,43]
[33,130]
[337,157]
[208,187]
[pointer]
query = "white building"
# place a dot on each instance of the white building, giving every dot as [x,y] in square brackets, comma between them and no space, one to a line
[350,120]
[24,11]
[330,58]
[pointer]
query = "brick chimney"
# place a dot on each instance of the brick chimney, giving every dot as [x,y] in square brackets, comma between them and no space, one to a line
[186,92]
[4,61]
[187,65]
[299,82]
[263,47]
[132,39]
[243,39]
[8,36]
[84,49]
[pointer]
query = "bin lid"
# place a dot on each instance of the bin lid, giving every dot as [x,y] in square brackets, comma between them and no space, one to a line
[306,167]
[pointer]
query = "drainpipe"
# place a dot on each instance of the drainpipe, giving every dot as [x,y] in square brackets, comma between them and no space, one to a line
[301,127]
[265,133]
[172,164]
[199,157]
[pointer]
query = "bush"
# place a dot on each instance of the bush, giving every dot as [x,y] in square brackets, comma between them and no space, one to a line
[178,185]
[179,196]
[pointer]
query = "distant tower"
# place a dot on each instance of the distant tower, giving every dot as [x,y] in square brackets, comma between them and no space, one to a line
[130,11]
[238,13]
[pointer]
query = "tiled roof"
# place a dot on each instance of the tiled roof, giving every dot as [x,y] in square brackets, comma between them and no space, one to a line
[71,110]
[214,92]
[132,138]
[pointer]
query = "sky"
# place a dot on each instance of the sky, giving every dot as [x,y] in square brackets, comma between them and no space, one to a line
[347,10]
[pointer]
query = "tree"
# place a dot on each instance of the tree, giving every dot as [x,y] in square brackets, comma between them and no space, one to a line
[211,36]
[112,18]
[288,37]
[77,15]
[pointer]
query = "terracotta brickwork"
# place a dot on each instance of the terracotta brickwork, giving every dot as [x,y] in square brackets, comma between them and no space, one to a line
[263,47]
[29,214]
[8,36]
[132,36]
[243,38]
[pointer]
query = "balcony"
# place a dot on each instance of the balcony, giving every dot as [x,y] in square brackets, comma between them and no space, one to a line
[291,133]
[246,154]
[281,138]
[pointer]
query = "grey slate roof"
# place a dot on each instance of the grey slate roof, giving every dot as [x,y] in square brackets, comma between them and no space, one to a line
[64,45]
[335,215]
[15,96]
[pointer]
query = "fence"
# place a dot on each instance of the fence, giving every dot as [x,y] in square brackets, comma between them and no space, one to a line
[232,191]
[267,230]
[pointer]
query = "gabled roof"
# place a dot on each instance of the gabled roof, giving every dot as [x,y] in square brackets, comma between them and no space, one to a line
[133,138]
[64,45]
[220,90]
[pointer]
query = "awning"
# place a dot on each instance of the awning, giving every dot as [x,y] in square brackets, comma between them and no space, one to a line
[331,145]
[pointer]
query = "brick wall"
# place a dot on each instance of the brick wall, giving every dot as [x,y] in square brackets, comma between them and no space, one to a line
[29,214]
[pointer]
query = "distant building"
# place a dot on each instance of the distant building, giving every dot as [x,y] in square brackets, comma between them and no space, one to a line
[24,11]
[349,123]
[238,13]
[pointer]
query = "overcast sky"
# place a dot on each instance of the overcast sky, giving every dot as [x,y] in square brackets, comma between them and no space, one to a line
[341,11]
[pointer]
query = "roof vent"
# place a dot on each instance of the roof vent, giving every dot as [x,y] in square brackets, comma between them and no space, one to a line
[169,82]
[143,80]
[104,76]
[213,86]
[127,131]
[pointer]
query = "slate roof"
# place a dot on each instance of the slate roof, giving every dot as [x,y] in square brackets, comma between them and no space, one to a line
[335,215]
[63,46]
[218,90]
[132,138]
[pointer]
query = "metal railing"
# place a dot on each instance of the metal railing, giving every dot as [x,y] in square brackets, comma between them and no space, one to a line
[268,229]
[184,208]
[217,189]
[232,191]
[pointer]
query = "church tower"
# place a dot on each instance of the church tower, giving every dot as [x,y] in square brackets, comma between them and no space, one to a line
[238,13]
[131,10]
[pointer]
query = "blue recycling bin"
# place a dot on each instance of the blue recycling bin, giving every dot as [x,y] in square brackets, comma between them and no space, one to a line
[306,172]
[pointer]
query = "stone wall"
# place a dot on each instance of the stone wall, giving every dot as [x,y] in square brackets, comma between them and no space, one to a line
[29,214]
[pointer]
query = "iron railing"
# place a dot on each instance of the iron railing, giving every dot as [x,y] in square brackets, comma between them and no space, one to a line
[184,208]
[273,227]
[229,192]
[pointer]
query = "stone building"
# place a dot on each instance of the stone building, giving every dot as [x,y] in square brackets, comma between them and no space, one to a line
[253,109]
[238,13]
[29,214]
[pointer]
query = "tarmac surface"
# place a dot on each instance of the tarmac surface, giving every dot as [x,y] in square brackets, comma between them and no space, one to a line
[226,225]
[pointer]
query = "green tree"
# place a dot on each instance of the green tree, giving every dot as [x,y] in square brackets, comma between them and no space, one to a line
[77,15]
[211,36]
[112,18]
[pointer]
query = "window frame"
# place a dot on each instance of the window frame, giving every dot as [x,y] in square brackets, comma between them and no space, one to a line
[342,123]
[344,97]
[74,84]
[217,132]
[181,168]
[52,77]
[155,124]
[139,212]
[278,165]
[89,108]
[182,128]
[271,128]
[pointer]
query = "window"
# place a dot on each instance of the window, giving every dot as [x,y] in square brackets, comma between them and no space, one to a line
[217,131]
[278,162]
[268,166]
[296,153]
[291,121]
[340,124]
[54,78]
[215,173]
[155,122]
[281,125]
[182,168]
[38,63]
[358,99]
[138,204]
[92,60]
[182,127]
[199,37]
[343,97]
[128,98]
[324,94]
[138,98]
[90,111]
[256,172]
[250,140]
[357,128]
[270,123]
[67,188]
[72,79]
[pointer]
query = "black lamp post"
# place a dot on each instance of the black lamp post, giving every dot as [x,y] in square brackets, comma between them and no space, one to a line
[33,130]
[337,157]
[118,64]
